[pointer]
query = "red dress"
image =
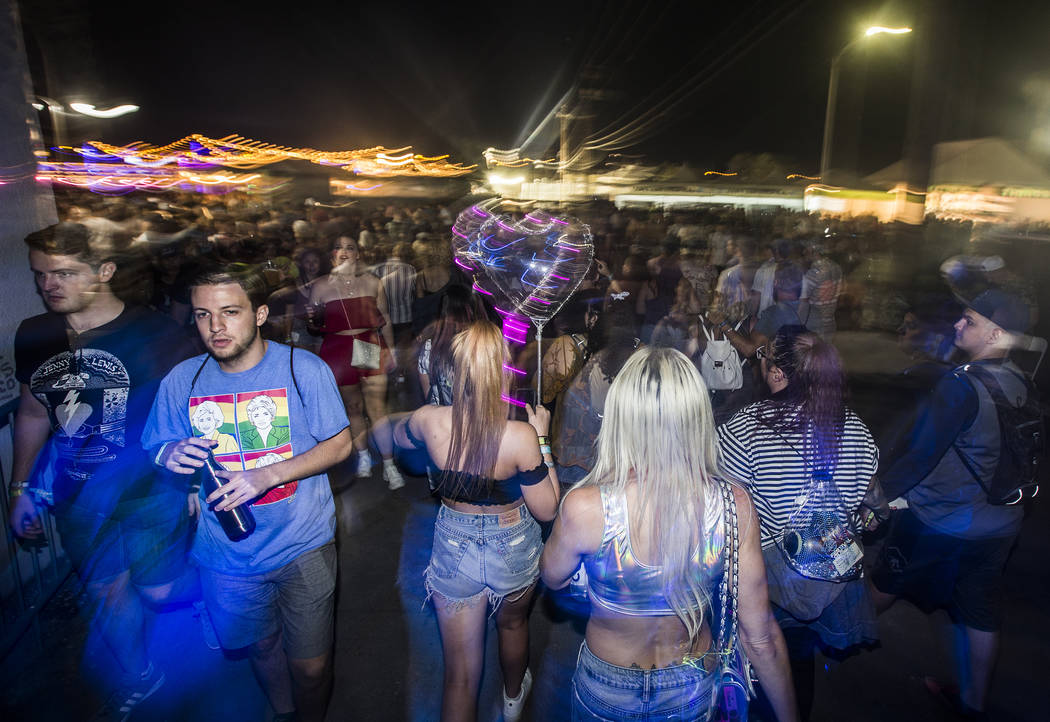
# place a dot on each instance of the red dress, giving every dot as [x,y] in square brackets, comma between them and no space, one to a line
[337,349]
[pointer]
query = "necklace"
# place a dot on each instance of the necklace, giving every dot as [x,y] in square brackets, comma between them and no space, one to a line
[348,282]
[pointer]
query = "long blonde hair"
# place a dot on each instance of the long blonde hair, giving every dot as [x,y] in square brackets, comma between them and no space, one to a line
[479,411]
[658,430]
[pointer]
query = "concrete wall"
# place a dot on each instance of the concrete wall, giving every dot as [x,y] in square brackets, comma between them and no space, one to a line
[25,205]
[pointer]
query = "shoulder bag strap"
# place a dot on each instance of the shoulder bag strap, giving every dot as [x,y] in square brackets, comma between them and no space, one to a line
[729,586]
[703,325]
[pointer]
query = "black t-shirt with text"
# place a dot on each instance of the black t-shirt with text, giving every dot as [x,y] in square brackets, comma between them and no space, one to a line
[98,388]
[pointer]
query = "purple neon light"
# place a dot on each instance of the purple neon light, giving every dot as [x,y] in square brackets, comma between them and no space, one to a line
[534,220]
[505,227]
[510,313]
[479,289]
[536,298]
[515,334]
[515,324]
[555,275]
[461,234]
[555,220]
[509,400]
[568,248]
[466,267]
[517,371]
[478,212]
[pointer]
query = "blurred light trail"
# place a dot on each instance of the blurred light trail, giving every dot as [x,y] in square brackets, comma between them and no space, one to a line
[114,112]
[234,151]
[878,29]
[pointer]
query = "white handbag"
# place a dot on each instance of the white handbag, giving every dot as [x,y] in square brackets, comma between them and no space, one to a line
[365,355]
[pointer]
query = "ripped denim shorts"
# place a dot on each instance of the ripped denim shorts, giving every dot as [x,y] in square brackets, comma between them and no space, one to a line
[491,554]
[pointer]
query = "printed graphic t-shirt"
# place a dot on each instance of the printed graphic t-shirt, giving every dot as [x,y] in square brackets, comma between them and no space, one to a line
[97,388]
[258,419]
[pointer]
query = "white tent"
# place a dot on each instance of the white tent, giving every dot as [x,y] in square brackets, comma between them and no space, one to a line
[975,163]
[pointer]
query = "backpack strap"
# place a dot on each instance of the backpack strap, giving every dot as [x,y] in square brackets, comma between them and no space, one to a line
[703,325]
[291,369]
[972,378]
[199,370]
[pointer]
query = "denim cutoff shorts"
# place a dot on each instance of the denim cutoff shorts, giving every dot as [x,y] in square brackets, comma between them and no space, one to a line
[603,691]
[491,554]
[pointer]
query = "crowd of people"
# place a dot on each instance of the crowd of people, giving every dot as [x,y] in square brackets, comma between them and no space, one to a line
[692,429]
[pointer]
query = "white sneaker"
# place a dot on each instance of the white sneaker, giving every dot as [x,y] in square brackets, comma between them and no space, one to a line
[132,691]
[512,707]
[393,478]
[364,465]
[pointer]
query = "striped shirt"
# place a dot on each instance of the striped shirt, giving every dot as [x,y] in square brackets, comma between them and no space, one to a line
[399,284]
[776,475]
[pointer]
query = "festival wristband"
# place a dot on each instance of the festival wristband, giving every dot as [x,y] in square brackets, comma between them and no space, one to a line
[544,441]
[160,453]
[545,449]
[17,489]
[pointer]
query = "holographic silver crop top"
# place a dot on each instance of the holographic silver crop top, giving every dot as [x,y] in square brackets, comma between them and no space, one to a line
[620,583]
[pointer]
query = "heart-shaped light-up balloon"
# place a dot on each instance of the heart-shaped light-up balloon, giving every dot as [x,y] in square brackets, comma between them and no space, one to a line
[465,229]
[536,262]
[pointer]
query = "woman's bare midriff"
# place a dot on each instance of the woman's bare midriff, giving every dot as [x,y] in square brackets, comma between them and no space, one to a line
[645,642]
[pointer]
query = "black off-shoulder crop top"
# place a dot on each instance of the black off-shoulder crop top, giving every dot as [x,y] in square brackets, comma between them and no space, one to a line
[504,491]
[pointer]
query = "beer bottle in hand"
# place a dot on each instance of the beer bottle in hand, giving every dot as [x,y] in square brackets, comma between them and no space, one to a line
[238,522]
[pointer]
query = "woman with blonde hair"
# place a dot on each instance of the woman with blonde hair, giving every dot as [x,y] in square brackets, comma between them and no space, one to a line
[648,526]
[496,479]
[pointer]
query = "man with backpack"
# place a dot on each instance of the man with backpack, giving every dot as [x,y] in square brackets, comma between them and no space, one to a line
[969,461]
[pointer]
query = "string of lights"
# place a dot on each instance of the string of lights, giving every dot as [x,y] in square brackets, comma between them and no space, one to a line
[234,151]
[193,163]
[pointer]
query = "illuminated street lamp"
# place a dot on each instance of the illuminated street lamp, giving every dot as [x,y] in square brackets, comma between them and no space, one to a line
[115,112]
[833,85]
[57,112]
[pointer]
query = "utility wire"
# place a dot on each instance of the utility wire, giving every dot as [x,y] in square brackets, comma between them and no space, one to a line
[644,125]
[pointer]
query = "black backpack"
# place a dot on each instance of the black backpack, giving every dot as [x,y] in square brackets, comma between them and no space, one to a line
[1022,441]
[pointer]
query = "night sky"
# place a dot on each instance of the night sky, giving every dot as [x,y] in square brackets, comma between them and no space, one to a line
[456,78]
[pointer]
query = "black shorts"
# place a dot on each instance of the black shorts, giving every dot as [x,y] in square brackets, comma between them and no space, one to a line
[150,537]
[937,570]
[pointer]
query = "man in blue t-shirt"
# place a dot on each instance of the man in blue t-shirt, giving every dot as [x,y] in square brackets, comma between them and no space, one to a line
[272,592]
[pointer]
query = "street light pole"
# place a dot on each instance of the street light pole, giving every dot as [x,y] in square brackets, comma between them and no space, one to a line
[55,113]
[833,87]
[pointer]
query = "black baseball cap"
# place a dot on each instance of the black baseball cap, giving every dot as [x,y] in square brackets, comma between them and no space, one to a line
[1004,309]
